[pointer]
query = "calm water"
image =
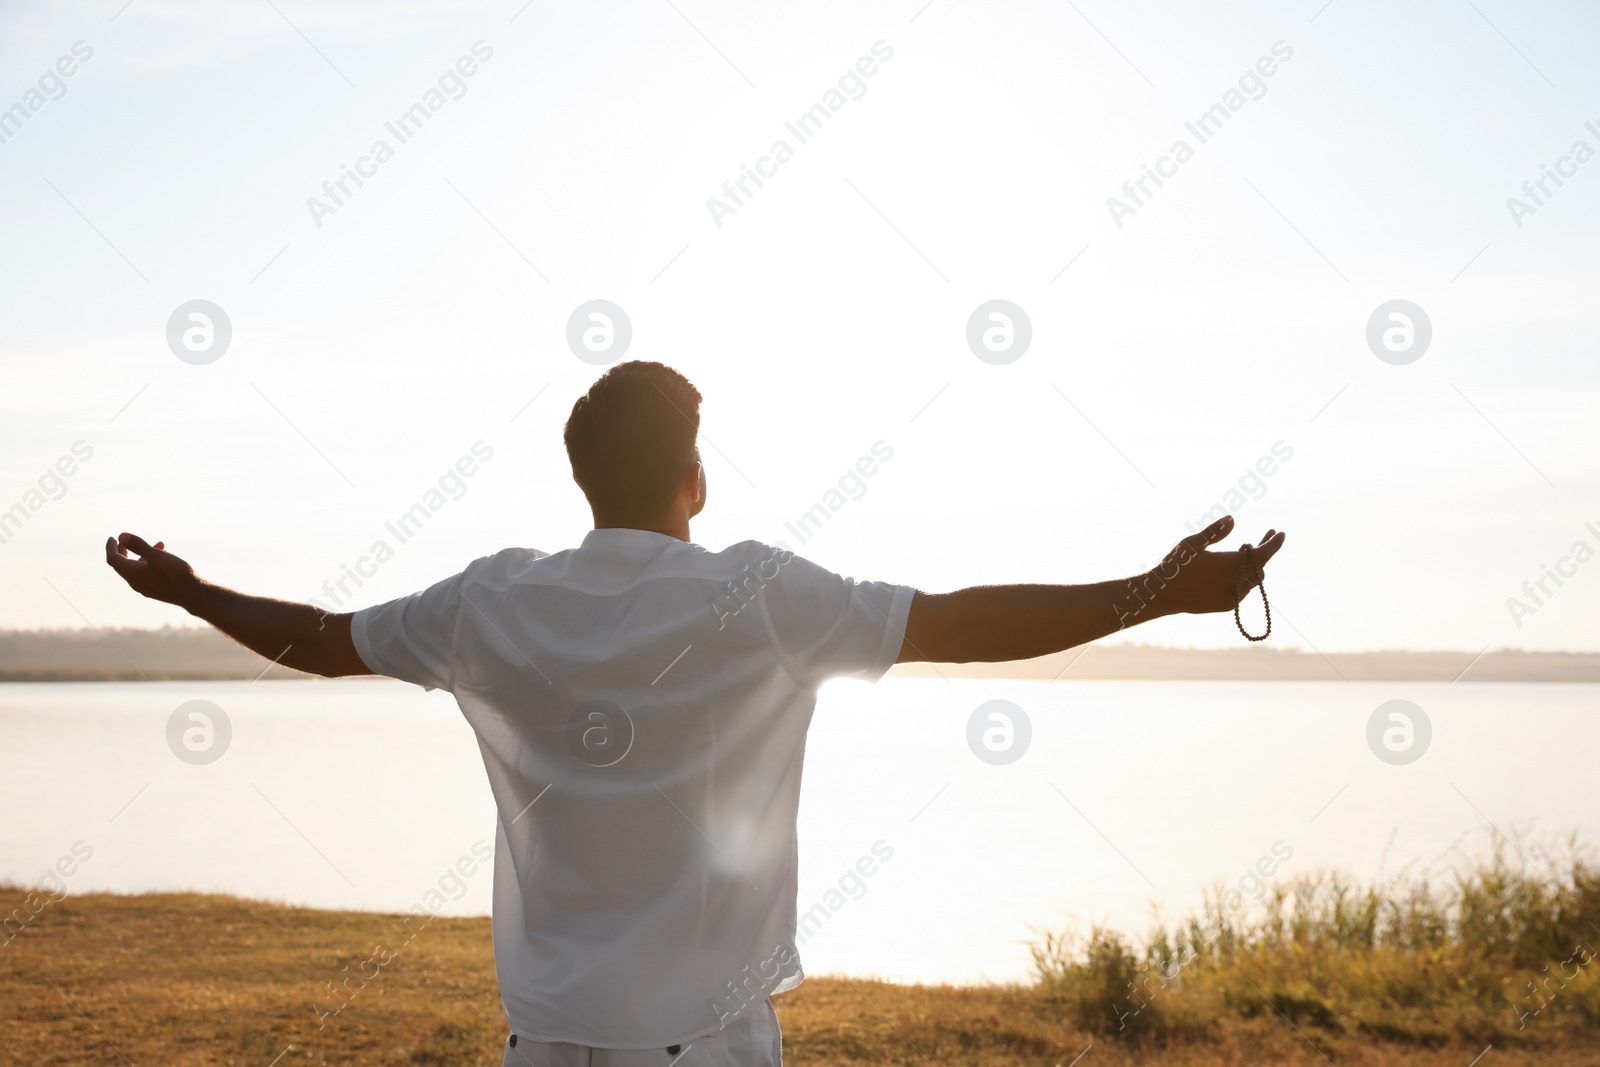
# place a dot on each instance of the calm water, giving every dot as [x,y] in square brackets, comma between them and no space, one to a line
[364,794]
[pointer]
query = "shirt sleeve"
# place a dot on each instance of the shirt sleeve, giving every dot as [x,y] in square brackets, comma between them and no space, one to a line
[412,638]
[828,626]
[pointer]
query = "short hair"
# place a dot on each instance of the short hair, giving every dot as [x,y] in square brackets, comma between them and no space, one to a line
[630,436]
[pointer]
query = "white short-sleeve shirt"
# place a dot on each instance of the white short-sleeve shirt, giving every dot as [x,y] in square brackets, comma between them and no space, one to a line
[641,704]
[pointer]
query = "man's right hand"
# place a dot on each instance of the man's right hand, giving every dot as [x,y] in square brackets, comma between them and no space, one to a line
[156,573]
[1199,581]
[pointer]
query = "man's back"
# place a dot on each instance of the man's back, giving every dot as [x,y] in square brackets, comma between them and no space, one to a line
[641,705]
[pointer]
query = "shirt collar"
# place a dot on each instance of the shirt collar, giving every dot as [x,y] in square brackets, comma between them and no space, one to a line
[628,540]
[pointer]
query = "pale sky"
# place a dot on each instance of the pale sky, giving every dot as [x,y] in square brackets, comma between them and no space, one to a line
[1226,317]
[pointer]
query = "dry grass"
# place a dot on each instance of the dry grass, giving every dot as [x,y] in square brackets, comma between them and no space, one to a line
[188,980]
[1504,954]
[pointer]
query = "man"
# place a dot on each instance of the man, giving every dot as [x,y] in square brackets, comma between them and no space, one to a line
[642,704]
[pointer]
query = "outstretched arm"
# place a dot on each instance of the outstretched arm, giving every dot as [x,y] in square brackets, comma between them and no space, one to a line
[993,623]
[297,635]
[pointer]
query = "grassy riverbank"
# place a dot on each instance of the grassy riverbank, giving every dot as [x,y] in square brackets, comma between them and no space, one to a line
[1323,972]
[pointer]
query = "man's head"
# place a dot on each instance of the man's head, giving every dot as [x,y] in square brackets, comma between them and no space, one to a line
[631,440]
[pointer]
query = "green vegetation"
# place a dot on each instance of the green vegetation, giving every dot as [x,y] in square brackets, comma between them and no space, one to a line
[1504,954]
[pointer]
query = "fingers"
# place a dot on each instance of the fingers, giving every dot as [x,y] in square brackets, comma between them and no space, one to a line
[1211,534]
[1259,545]
[118,558]
[144,550]
[1268,547]
[135,544]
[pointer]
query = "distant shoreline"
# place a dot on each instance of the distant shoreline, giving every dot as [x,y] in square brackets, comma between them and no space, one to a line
[1158,663]
[203,655]
[276,674]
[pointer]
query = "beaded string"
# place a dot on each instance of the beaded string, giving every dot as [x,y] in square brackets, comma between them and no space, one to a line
[1248,560]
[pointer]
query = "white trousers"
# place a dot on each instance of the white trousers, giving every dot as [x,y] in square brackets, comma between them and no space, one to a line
[753,1039]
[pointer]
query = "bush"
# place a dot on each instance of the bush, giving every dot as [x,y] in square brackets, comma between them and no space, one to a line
[1504,952]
